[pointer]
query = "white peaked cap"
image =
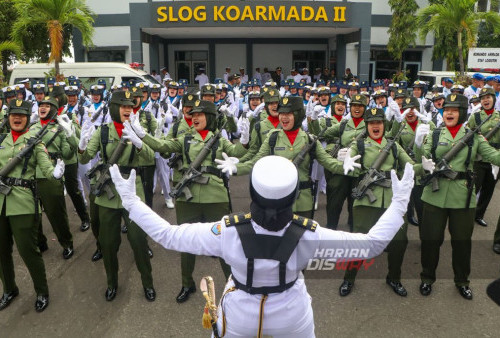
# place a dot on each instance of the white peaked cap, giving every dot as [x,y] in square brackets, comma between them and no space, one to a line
[274,177]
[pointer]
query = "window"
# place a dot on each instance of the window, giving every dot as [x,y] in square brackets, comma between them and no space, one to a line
[311,59]
[90,81]
[106,56]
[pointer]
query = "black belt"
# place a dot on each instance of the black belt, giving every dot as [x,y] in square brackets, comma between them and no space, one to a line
[263,290]
[305,185]
[54,155]
[461,175]
[126,170]
[19,182]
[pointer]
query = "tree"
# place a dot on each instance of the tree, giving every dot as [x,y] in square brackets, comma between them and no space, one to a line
[403,28]
[57,16]
[8,48]
[457,18]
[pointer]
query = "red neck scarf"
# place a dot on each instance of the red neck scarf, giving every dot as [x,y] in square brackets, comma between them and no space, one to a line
[119,128]
[188,121]
[136,109]
[203,133]
[454,130]
[44,122]
[379,140]
[274,120]
[413,125]
[489,111]
[357,121]
[338,117]
[292,135]
[59,111]
[16,134]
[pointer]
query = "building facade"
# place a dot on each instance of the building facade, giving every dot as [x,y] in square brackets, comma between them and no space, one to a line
[185,36]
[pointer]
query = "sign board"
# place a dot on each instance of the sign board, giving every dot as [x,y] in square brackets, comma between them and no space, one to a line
[484,58]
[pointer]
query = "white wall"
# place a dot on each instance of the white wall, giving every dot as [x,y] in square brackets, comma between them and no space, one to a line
[145,57]
[351,58]
[111,6]
[233,56]
[272,56]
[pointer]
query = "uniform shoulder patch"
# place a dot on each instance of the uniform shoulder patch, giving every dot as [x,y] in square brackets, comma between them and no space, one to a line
[217,229]
[237,219]
[304,222]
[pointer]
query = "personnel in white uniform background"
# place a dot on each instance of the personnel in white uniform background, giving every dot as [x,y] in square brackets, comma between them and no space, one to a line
[265,295]
[202,78]
[477,84]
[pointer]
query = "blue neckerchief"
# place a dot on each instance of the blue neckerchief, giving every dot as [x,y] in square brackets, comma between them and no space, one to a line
[144,104]
[327,108]
[475,89]
[172,99]
[305,102]
[70,108]
[96,105]
[441,110]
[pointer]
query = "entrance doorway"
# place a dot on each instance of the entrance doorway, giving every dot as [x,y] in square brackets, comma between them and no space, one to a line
[189,63]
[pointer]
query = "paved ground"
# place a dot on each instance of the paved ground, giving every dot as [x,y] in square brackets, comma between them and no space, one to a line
[78,307]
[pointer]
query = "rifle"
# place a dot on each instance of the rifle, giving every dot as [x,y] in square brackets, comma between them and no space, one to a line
[374,176]
[193,173]
[101,170]
[488,135]
[335,151]
[32,142]
[443,167]
[98,113]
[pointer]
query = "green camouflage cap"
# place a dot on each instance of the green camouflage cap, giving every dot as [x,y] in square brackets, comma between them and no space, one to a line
[487,91]
[400,93]
[136,91]
[359,99]
[208,89]
[339,98]
[50,100]
[411,102]
[57,90]
[202,106]
[295,105]
[189,99]
[122,98]
[456,100]
[271,95]
[374,114]
[20,107]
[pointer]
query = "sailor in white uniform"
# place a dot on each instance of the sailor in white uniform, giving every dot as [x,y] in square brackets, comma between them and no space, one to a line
[267,249]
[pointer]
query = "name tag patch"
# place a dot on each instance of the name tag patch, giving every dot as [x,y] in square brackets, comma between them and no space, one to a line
[279,148]
[443,143]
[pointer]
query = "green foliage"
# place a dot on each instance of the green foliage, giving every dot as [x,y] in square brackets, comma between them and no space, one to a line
[403,27]
[454,19]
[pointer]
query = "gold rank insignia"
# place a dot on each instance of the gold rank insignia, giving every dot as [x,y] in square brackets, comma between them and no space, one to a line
[47,97]
[197,103]
[209,87]
[374,111]
[400,91]
[141,85]
[265,89]
[17,87]
[190,97]
[341,96]
[127,95]
[285,100]
[408,100]
[378,92]
[19,103]
[453,97]
[134,89]
[271,92]
[484,90]
[358,97]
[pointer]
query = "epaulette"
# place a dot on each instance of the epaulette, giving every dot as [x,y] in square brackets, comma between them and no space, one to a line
[304,222]
[237,219]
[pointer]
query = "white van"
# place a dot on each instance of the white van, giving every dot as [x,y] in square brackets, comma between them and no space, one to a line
[87,72]
[433,77]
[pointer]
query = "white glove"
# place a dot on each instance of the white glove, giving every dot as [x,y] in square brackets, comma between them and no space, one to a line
[237,93]
[125,188]
[388,114]
[129,134]
[350,163]
[34,117]
[259,108]
[172,108]
[316,112]
[85,135]
[341,155]
[230,98]
[58,169]
[228,164]
[159,129]
[225,110]
[476,108]
[420,133]
[494,171]
[400,117]
[310,106]
[423,117]
[136,126]
[401,189]
[244,128]
[346,116]
[428,164]
[282,91]
[394,109]
[66,124]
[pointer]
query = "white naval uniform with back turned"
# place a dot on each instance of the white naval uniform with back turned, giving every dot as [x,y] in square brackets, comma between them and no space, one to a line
[287,313]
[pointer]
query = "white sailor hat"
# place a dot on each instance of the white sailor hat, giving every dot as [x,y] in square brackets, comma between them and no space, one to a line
[274,177]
